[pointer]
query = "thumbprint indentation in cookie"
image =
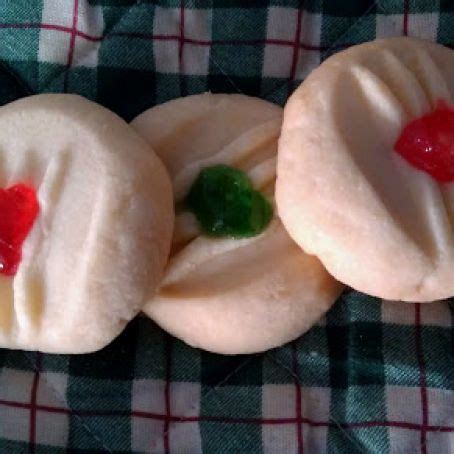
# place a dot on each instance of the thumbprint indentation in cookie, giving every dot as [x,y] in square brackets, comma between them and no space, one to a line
[18,210]
[225,203]
[428,143]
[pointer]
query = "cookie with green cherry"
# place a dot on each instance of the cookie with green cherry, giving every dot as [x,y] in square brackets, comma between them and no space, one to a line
[235,282]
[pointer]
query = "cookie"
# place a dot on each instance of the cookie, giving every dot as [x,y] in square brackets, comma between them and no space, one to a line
[227,288]
[348,190]
[87,215]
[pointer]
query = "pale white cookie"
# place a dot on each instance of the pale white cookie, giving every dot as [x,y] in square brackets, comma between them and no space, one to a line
[377,223]
[101,238]
[222,294]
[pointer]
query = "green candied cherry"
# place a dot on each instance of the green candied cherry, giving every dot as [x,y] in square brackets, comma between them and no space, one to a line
[225,203]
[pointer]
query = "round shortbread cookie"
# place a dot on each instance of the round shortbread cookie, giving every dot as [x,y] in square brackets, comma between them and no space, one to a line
[222,294]
[102,234]
[345,195]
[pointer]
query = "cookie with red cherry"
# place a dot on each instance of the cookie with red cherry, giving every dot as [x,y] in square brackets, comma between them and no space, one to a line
[366,168]
[86,214]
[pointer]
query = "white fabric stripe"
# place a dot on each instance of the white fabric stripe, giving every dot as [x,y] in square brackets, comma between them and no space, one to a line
[56,12]
[15,385]
[54,45]
[14,423]
[403,404]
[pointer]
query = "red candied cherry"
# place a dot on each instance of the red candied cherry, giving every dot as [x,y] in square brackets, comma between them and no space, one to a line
[428,143]
[18,211]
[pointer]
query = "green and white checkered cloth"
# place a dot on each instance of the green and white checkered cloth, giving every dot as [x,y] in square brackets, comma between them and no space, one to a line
[372,376]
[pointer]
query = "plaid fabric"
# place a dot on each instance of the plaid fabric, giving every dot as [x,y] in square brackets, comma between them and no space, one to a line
[372,376]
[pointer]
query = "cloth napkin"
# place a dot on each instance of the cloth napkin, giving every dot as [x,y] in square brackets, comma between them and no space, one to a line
[373,376]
